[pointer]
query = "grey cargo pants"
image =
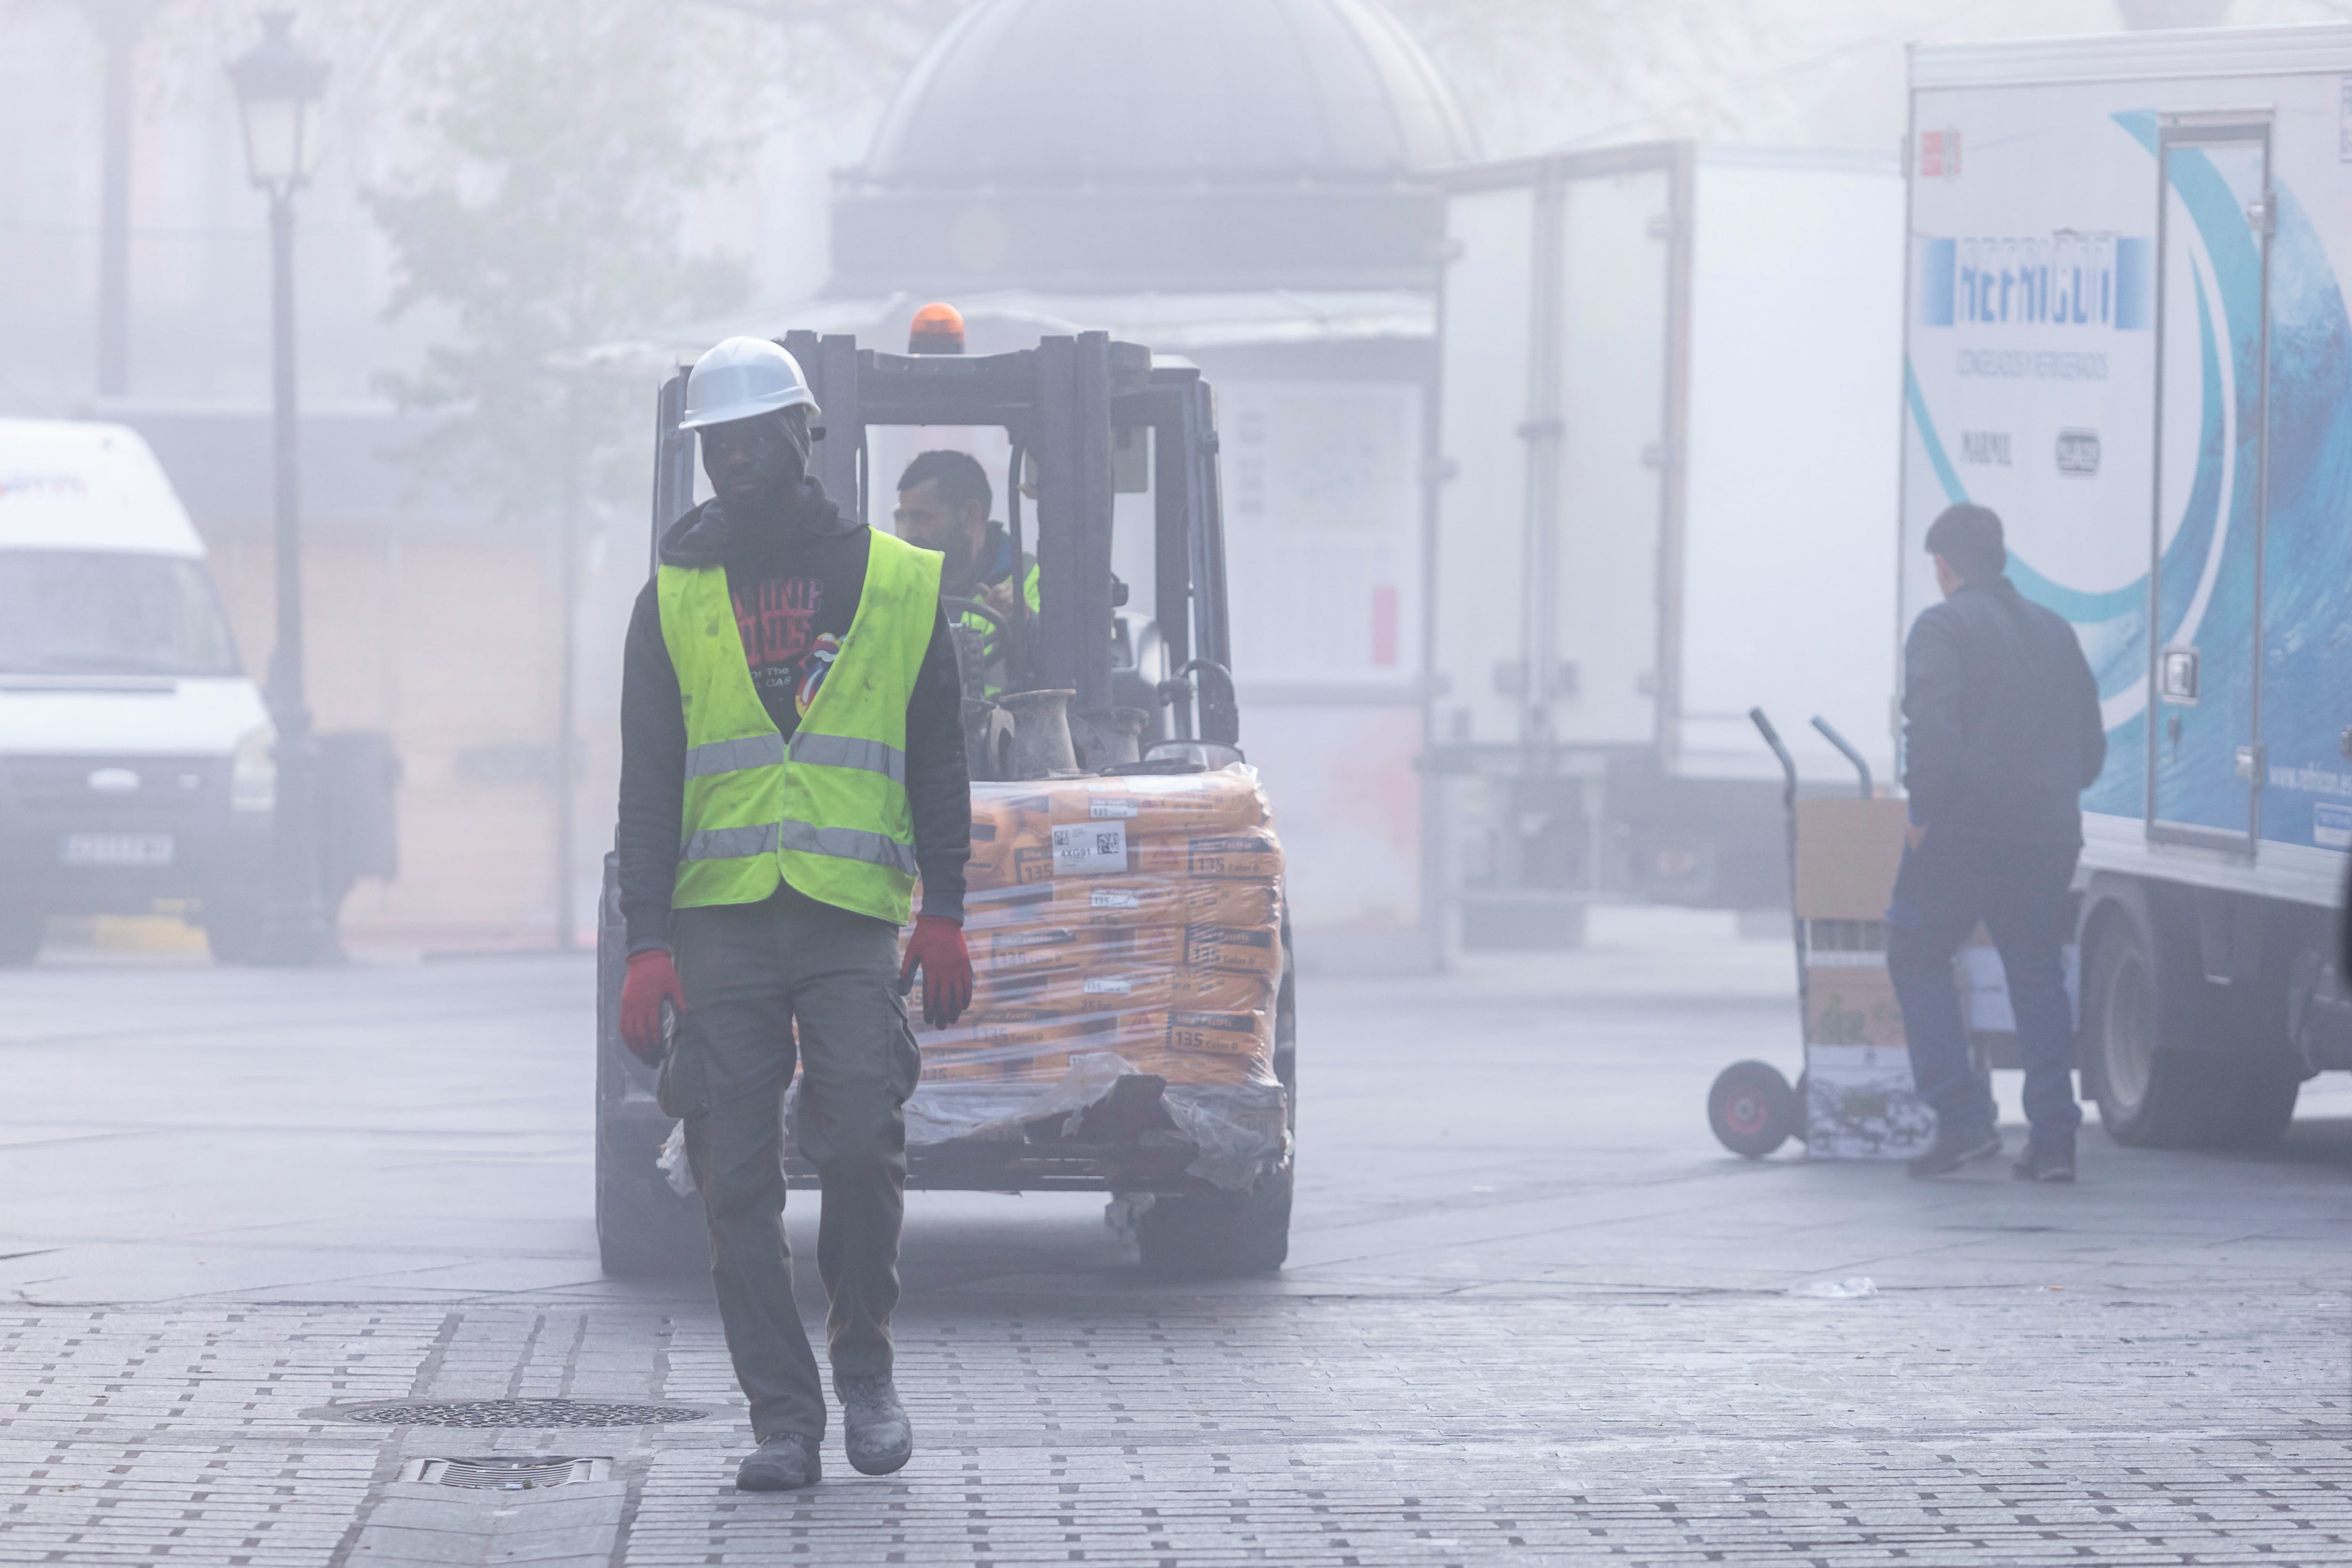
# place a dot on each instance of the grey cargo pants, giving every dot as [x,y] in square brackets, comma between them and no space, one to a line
[757,976]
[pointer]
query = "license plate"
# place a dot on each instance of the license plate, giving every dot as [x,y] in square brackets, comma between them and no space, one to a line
[115,850]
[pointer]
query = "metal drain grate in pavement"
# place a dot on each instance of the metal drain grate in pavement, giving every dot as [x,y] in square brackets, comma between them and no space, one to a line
[506,1474]
[505,1413]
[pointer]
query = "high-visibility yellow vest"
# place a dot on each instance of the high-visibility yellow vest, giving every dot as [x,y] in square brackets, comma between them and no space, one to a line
[992,634]
[828,814]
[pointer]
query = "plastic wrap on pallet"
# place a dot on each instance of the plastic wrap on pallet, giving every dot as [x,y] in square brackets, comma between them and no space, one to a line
[1235,1130]
[1134,918]
[1238,1129]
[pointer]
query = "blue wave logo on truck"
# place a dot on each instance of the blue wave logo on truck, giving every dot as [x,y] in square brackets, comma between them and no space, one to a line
[2207,564]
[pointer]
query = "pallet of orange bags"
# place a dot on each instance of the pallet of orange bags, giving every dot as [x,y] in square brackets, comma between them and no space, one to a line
[1126,938]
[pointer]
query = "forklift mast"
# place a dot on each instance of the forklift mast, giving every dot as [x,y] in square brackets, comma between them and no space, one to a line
[1059,402]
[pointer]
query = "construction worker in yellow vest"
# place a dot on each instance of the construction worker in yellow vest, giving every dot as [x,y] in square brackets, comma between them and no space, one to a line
[791,761]
[943,504]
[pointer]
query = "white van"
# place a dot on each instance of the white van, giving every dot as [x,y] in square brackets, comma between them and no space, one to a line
[134,751]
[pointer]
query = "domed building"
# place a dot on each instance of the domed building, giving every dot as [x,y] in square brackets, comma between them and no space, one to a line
[1247,184]
[1118,145]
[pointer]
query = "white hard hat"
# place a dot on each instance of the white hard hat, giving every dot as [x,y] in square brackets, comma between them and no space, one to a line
[742,377]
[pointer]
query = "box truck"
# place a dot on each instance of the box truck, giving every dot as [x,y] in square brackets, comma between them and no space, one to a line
[1666,497]
[2127,333]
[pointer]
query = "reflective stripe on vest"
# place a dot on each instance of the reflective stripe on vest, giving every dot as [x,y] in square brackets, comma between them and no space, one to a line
[828,813]
[726,756]
[850,844]
[842,752]
[729,843]
[842,843]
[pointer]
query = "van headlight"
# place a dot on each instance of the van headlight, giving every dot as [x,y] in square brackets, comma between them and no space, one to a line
[253,772]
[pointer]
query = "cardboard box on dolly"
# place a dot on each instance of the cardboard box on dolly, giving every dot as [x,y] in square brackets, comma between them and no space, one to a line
[1859,1103]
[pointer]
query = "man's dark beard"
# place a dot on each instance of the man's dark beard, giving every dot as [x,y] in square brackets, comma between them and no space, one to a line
[962,571]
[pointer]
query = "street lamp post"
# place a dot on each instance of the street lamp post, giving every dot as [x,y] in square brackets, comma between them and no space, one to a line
[276,86]
[117,23]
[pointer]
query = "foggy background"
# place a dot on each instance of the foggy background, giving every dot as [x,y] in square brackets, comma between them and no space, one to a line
[503,186]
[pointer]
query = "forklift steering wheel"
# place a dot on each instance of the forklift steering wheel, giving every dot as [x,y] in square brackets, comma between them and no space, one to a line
[998,644]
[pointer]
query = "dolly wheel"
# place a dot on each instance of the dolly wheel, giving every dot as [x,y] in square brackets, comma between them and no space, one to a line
[1752,1109]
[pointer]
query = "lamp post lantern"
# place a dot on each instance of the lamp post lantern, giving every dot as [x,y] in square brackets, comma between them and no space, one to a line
[276,86]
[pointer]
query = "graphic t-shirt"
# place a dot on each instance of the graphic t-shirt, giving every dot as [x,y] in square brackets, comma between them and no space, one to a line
[794,602]
[788,656]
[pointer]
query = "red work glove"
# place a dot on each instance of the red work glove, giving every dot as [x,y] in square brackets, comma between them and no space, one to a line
[653,980]
[937,948]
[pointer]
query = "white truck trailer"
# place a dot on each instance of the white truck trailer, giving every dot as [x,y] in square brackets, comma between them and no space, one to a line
[1667,496]
[2127,333]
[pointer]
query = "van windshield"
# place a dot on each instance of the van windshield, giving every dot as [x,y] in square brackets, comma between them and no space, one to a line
[101,612]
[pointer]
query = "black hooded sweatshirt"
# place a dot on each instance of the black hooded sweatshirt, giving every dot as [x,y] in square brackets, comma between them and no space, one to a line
[795,590]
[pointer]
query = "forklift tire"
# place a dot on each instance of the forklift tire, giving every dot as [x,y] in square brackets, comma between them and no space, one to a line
[1752,1109]
[233,929]
[22,931]
[643,1229]
[1218,1236]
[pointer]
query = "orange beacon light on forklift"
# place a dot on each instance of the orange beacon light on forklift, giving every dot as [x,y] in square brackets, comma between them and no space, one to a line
[937,330]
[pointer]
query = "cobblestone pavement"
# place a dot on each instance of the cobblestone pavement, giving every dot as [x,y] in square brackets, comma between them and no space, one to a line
[2019,1426]
[1533,1314]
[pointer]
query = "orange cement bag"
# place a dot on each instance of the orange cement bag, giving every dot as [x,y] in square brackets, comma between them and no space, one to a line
[1139,915]
[1126,901]
[1123,991]
[1188,1068]
[1051,949]
[1234,1032]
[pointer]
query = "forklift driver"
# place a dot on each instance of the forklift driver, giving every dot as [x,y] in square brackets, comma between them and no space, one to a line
[792,756]
[943,503]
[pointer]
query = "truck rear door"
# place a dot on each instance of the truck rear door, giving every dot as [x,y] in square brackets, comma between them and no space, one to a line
[1557,347]
[2205,761]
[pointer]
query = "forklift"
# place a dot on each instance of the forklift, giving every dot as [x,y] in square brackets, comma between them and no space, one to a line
[1069,407]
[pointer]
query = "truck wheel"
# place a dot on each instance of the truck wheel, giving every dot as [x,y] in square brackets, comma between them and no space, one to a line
[22,931]
[1752,1109]
[1215,1236]
[2265,1104]
[2152,1093]
[643,1229]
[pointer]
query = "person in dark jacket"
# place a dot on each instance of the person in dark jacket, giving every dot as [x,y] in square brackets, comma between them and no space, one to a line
[2002,733]
[772,835]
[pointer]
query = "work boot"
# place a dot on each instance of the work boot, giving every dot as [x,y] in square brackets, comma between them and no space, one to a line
[2048,1157]
[874,1425]
[1955,1147]
[784,1462]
